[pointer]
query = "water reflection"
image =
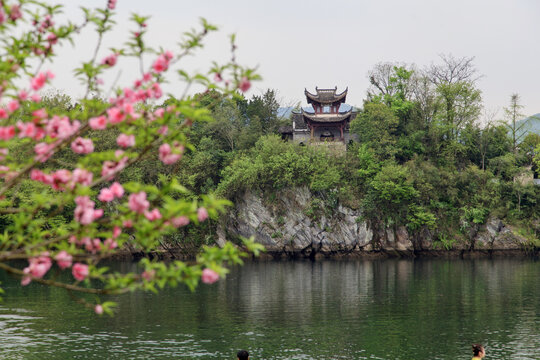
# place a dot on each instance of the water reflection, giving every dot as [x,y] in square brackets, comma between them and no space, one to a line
[387,309]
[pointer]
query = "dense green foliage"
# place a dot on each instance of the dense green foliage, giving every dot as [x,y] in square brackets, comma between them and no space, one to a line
[423,160]
[424,157]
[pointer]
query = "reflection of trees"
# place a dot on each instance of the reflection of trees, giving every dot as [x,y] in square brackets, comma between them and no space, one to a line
[319,308]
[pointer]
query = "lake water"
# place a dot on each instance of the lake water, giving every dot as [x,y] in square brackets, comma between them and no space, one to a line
[384,309]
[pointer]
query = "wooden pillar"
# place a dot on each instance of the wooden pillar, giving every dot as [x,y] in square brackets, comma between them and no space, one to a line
[341,128]
[311,132]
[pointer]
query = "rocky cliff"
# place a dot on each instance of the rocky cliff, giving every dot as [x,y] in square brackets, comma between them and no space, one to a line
[293,223]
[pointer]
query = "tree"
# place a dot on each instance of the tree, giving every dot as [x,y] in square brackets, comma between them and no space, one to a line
[376,126]
[455,85]
[513,114]
[74,213]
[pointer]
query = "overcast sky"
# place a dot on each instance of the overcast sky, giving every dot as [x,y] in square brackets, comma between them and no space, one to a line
[303,44]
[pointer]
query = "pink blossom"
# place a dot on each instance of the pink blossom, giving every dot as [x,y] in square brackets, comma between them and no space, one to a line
[244,84]
[61,127]
[110,60]
[209,276]
[13,105]
[217,77]
[138,203]
[152,215]
[2,17]
[15,12]
[3,113]
[161,64]
[110,244]
[79,271]
[35,98]
[60,178]
[23,95]
[157,92]
[148,274]
[38,81]
[81,176]
[110,168]
[52,38]
[125,141]
[179,221]
[98,123]
[28,129]
[43,151]
[116,232]
[82,146]
[38,267]
[106,195]
[159,112]
[111,4]
[202,214]
[98,309]
[163,130]
[117,189]
[63,259]
[40,114]
[167,156]
[127,223]
[84,212]
[115,115]
[7,132]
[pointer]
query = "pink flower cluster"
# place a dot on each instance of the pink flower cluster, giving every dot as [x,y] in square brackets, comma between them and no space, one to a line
[80,271]
[179,221]
[170,155]
[40,79]
[44,151]
[38,267]
[94,245]
[85,212]
[15,13]
[110,167]
[202,214]
[153,215]
[111,4]
[82,146]
[162,62]
[244,84]
[63,179]
[209,276]
[109,194]
[98,123]
[63,259]
[138,203]
[110,60]
[125,140]
[45,24]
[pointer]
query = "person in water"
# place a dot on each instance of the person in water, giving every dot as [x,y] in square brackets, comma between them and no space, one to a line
[242,355]
[478,352]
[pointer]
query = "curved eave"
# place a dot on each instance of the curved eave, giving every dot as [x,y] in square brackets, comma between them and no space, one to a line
[325,98]
[323,118]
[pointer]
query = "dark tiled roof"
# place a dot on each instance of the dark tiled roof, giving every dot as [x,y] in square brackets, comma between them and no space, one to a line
[327,118]
[299,122]
[325,96]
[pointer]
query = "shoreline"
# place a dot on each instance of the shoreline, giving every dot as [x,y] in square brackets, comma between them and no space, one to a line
[178,254]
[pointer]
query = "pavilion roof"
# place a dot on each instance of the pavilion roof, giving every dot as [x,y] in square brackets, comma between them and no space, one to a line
[326,96]
[327,118]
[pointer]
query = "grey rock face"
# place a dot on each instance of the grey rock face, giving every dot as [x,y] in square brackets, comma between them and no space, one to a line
[288,225]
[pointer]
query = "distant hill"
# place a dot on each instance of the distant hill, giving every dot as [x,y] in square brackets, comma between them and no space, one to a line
[532,124]
[285,112]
